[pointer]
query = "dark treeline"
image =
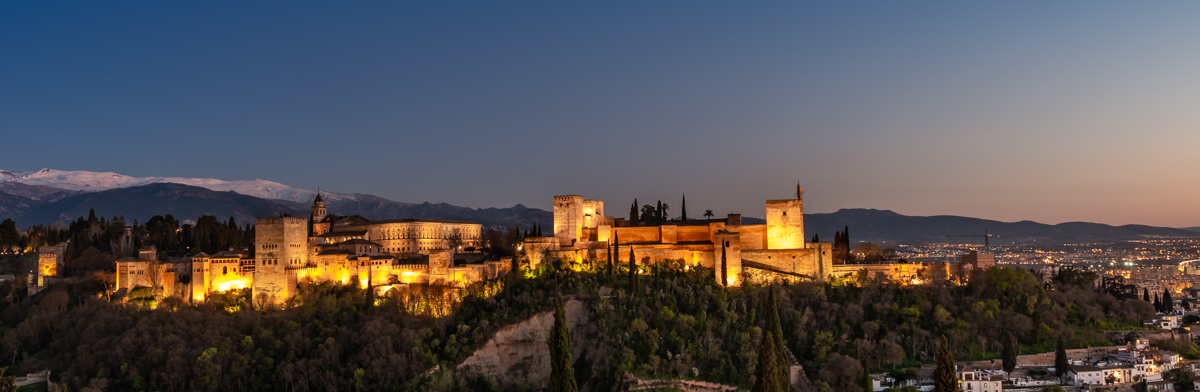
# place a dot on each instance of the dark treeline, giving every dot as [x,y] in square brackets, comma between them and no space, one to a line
[109,236]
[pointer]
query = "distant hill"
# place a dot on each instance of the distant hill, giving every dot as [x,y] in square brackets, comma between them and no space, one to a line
[36,192]
[1195,229]
[185,202]
[378,208]
[883,225]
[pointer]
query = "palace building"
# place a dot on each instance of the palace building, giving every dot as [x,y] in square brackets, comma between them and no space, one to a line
[325,247]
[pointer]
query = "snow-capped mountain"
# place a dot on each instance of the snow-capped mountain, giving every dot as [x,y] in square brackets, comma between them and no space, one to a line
[88,181]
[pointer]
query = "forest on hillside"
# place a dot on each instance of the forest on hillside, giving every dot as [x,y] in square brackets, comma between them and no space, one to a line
[666,321]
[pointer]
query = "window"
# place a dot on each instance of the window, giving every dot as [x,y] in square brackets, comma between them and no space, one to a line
[224,270]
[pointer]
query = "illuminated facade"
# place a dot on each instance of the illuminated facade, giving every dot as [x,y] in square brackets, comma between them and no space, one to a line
[348,250]
[582,231]
[50,261]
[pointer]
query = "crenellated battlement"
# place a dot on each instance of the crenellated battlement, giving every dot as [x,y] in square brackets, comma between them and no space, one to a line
[280,219]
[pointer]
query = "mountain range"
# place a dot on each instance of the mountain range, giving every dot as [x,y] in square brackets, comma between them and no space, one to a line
[884,225]
[47,195]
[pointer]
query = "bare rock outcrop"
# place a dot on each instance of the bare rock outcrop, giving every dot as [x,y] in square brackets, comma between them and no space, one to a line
[519,353]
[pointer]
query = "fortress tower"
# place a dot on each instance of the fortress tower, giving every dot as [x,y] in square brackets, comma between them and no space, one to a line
[50,261]
[281,246]
[568,219]
[785,223]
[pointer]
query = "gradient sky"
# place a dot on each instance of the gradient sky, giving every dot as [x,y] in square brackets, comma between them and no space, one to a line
[1046,111]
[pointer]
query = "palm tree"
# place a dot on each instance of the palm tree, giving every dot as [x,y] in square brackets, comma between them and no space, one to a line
[708,214]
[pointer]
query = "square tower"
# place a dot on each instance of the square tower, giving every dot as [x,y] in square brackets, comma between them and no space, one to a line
[785,224]
[593,213]
[568,219]
[50,261]
[279,243]
[727,257]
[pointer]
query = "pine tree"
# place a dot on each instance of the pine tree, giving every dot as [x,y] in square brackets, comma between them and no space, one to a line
[766,373]
[562,374]
[683,208]
[1010,353]
[1167,304]
[772,325]
[633,213]
[944,377]
[1060,359]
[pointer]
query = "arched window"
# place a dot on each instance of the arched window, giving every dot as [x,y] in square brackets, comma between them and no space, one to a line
[224,270]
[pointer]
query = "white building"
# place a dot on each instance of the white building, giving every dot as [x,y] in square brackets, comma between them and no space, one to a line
[1169,321]
[976,381]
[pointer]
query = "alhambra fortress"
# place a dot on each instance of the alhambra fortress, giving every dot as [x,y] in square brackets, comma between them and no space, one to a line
[391,253]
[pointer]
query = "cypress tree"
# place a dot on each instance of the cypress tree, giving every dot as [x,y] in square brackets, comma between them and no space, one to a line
[724,266]
[767,372]
[1060,359]
[660,214]
[1157,304]
[1010,353]
[1167,304]
[515,270]
[1146,294]
[633,278]
[772,325]
[612,254]
[562,374]
[944,377]
[633,213]
[683,208]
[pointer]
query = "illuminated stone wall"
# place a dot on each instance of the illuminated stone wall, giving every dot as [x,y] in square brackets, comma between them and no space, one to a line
[903,273]
[628,235]
[814,262]
[221,273]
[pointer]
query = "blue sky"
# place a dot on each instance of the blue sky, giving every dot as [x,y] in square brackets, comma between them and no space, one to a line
[1064,111]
